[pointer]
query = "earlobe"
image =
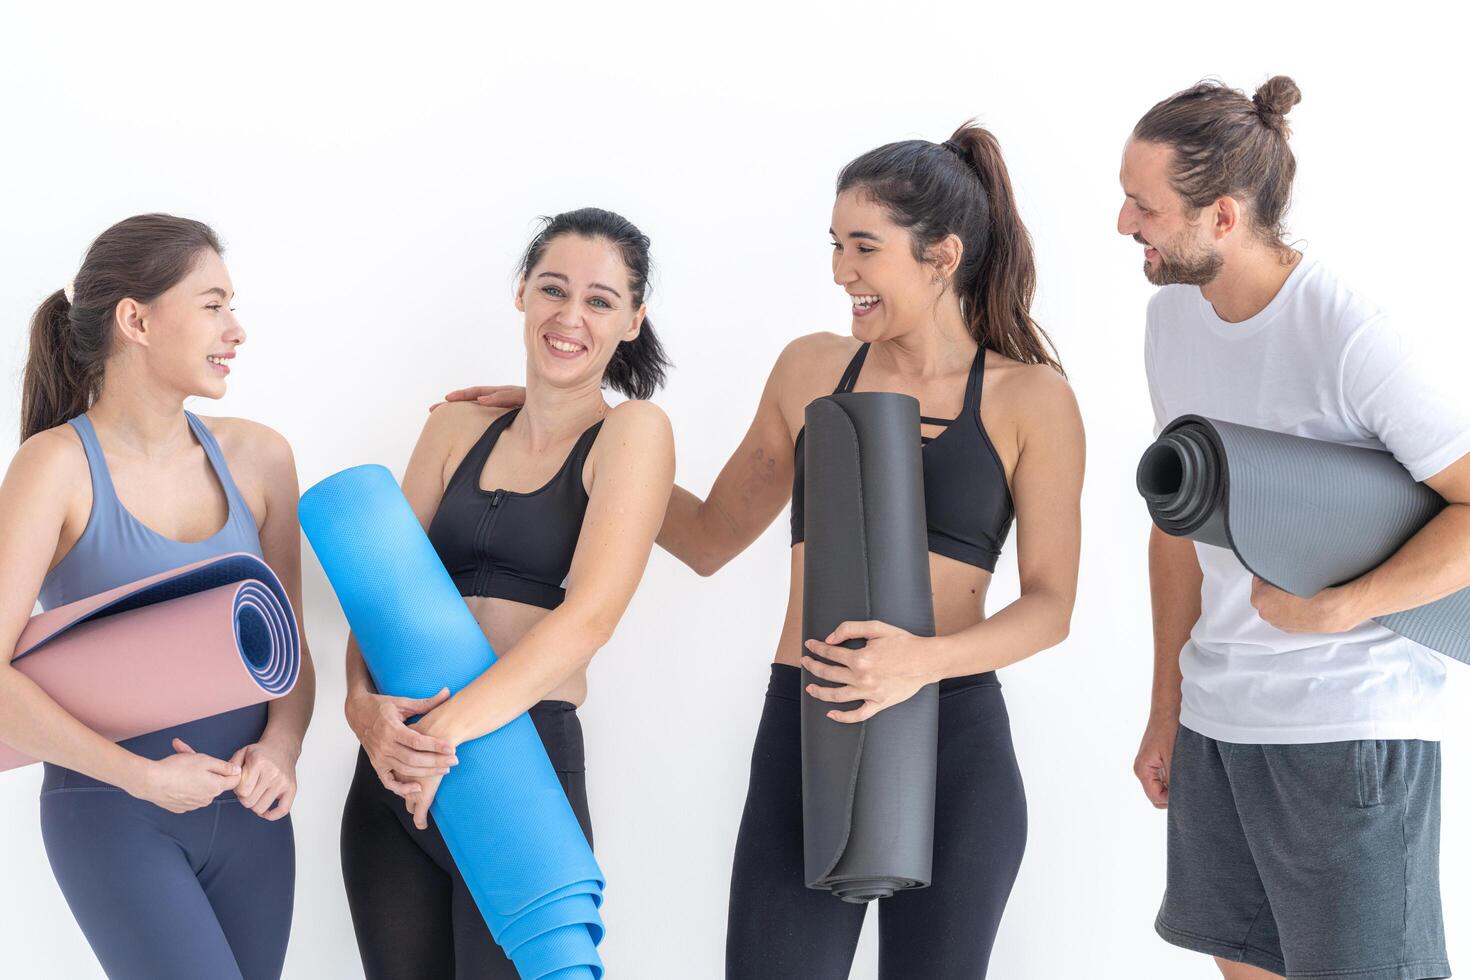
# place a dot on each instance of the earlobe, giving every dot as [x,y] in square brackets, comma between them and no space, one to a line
[521,296]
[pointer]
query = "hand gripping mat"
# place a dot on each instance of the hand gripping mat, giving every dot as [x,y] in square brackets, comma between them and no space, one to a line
[1300,513]
[172,648]
[867,788]
[502,811]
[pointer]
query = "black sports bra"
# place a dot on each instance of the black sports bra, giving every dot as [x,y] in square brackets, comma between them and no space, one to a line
[966,497]
[511,545]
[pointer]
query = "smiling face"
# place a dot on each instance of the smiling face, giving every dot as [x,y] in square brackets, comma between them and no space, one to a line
[873,261]
[1179,241]
[189,333]
[578,307]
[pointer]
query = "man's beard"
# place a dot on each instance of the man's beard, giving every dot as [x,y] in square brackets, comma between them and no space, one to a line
[1197,268]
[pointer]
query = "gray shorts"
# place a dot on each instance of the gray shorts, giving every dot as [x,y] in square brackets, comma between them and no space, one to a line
[1314,860]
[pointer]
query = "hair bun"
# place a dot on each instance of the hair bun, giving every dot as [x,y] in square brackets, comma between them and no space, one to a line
[1274,100]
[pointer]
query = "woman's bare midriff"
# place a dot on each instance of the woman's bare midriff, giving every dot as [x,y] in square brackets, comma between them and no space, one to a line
[505,622]
[959,600]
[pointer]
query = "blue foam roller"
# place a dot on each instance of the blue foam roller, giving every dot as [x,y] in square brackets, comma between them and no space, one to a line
[502,810]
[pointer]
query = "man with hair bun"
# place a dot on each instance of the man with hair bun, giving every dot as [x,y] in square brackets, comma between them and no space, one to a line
[1293,741]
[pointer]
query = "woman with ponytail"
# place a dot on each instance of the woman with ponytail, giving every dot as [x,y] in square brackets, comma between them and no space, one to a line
[544,516]
[173,849]
[928,243]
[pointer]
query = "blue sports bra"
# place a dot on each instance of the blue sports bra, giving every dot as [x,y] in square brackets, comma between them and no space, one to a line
[116,548]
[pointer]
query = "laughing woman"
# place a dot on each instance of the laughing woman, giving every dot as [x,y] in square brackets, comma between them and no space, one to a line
[927,242]
[173,849]
[544,516]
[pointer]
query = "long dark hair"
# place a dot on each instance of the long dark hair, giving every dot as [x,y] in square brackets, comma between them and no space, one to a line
[639,366]
[1227,144]
[138,258]
[961,187]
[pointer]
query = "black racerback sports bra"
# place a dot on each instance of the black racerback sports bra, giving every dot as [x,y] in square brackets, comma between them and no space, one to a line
[511,545]
[966,497]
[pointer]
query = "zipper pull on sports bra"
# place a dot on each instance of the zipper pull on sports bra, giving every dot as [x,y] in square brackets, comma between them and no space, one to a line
[510,545]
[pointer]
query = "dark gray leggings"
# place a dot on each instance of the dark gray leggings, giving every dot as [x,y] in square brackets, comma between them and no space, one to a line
[781,930]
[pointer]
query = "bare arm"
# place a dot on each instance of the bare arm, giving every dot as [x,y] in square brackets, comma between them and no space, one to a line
[1174,586]
[750,491]
[1047,490]
[633,470]
[280,543]
[33,505]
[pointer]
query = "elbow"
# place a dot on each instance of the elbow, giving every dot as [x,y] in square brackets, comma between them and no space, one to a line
[1061,623]
[1061,629]
[1055,616]
[593,633]
[706,565]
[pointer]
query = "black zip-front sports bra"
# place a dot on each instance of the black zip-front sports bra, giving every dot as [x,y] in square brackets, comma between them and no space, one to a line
[511,545]
[966,497]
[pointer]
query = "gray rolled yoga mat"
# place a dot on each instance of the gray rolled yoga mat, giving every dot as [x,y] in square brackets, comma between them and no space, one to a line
[1301,513]
[867,788]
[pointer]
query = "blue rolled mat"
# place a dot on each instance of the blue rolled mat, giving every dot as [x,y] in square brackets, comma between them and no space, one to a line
[502,810]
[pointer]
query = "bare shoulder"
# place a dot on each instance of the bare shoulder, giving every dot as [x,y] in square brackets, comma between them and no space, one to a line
[1027,390]
[815,352]
[807,369]
[51,460]
[253,448]
[637,421]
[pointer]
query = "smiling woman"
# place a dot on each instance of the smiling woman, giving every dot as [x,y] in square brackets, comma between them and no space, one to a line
[638,365]
[544,516]
[174,849]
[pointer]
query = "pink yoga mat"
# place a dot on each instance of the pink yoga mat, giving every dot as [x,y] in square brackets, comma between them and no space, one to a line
[169,649]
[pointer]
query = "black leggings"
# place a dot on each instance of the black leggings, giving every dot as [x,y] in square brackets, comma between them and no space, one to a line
[781,930]
[412,912]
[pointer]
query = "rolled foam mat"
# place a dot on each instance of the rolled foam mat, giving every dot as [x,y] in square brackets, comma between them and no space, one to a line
[172,648]
[867,788]
[1302,514]
[501,810]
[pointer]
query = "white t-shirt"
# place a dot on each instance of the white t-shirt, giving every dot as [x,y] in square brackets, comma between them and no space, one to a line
[1323,362]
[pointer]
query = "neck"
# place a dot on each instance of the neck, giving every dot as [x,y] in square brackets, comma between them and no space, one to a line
[933,348]
[1249,281]
[553,415]
[140,416]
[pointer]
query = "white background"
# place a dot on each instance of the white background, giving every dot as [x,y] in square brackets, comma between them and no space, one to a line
[375,172]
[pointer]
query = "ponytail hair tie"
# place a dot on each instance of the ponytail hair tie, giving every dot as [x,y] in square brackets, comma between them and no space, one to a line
[70,292]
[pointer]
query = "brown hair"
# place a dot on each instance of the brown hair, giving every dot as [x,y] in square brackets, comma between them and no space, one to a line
[1228,145]
[961,187]
[139,258]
